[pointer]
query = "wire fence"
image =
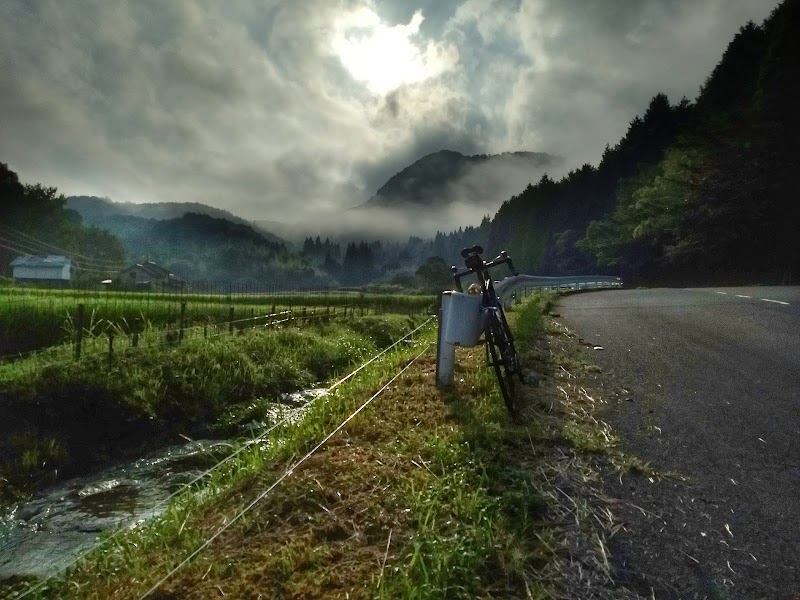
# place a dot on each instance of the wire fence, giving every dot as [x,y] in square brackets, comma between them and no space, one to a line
[258,439]
[35,319]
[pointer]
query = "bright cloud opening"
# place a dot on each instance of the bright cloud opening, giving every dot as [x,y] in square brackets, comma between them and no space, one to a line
[383,57]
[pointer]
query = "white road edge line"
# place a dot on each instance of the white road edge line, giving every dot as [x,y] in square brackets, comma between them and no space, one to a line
[775,301]
[723,293]
[740,296]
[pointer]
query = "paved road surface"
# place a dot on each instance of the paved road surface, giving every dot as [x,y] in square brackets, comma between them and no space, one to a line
[713,377]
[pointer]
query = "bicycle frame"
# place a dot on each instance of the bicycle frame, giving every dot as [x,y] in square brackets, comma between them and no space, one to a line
[500,351]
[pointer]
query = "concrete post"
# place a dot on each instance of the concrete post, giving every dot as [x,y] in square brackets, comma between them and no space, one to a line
[445,358]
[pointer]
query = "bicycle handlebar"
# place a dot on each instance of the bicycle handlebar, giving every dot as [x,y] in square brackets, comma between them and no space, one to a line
[476,264]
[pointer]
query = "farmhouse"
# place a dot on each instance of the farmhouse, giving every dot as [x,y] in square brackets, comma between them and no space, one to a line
[51,268]
[149,275]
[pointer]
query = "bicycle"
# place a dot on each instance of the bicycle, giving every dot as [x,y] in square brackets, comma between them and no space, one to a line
[500,351]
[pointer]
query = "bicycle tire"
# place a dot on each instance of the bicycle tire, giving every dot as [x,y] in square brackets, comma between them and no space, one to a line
[514,357]
[500,354]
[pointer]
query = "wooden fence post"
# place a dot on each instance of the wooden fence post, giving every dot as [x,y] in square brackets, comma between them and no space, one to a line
[79,330]
[230,321]
[182,322]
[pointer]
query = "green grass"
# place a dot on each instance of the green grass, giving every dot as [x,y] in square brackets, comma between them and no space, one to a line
[133,560]
[529,321]
[105,408]
[426,494]
[32,319]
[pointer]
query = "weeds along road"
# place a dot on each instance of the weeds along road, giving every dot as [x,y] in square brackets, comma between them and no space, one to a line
[710,382]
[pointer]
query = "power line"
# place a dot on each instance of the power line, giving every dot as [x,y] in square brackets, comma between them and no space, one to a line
[27,249]
[43,243]
[38,249]
[42,247]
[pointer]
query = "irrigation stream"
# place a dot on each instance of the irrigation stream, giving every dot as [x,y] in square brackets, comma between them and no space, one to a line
[45,535]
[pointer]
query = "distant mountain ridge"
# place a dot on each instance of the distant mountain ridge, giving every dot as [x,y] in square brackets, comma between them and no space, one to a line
[96,211]
[446,177]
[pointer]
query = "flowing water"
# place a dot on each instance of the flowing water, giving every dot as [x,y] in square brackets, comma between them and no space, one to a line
[45,535]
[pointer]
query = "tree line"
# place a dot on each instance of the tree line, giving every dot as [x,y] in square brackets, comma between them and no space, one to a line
[34,220]
[693,192]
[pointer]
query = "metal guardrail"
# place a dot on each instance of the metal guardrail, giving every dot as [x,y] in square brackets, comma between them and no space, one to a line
[511,286]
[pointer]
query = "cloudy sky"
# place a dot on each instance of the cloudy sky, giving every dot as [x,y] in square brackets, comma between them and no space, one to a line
[285,109]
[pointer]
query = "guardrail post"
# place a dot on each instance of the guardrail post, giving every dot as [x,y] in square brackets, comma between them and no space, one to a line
[460,324]
[445,357]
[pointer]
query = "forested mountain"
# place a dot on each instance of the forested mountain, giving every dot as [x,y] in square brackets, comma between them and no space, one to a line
[697,192]
[539,227]
[201,248]
[94,210]
[34,220]
[446,177]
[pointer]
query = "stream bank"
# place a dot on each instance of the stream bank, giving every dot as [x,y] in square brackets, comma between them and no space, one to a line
[43,536]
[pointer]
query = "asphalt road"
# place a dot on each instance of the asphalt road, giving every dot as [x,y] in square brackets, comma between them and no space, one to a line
[709,385]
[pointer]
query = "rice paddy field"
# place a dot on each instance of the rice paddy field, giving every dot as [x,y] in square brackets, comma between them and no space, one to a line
[57,321]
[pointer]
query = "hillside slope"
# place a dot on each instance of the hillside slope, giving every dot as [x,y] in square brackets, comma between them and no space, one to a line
[96,210]
[447,177]
[198,247]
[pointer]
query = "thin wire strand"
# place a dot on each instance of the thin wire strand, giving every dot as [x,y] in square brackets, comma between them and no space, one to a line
[62,250]
[208,471]
[23,247]
[280,479]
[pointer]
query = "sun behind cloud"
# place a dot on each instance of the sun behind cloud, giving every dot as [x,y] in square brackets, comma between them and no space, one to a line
[385,58]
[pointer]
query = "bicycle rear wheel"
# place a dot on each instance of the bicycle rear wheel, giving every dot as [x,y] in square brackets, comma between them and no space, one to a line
[513,357]
[502,356]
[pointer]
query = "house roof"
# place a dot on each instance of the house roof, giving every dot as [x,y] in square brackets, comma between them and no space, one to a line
[150,268]
[49,260]
[153,270]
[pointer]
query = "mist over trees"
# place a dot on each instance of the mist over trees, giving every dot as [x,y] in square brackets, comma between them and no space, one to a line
[702,192]
[202,249]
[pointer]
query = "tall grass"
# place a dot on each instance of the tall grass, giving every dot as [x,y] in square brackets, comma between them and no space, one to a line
[529,320]
[107,407]
[32,319]
[134,559]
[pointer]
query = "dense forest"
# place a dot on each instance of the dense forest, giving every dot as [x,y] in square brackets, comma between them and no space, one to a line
[693,192]
[204,250]
[34,220]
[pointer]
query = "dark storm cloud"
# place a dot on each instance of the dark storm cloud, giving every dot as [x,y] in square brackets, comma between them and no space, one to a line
[245,105]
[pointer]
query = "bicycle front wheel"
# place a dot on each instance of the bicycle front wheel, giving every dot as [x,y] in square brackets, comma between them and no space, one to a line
[502,356]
